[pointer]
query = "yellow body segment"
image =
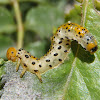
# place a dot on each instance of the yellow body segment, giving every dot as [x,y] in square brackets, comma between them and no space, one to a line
[59,49]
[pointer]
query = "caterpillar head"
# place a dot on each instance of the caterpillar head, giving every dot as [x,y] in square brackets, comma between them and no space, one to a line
[92,47]
[11,54]
[90,43]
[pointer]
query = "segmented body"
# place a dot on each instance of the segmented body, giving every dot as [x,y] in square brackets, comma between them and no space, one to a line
[58,51]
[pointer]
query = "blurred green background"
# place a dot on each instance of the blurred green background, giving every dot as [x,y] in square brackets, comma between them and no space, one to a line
[40,20]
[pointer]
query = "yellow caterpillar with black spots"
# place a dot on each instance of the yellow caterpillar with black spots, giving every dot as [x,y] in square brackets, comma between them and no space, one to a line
[60,45]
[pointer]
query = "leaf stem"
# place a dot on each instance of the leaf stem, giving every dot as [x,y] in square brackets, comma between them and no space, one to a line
[84,12]
[20,34]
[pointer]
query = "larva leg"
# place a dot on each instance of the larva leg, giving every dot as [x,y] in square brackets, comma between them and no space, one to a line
[23,72]
[39,76]
[18,63]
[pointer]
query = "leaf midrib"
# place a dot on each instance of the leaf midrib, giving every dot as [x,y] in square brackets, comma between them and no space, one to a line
[74,60]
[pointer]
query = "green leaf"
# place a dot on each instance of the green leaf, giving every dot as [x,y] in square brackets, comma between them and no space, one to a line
[78,78]
[6,21]
[74,15]
[85,78]
[91,20]
[97,4]
[42,20]
[1,61]
[2,67]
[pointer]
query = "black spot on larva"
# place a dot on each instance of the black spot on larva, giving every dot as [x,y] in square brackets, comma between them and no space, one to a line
[67,43]
[91,37]
[69,30]
[87,39]
[79,33]
[50,65]
[53,43]
[33,63]
[40,66]
[60,42]
[35,70]
[87,43]
[66,27]
[76,35]
[61,38]
[60,59]
[68,24]
[80,36]
[65,51]
[59,30]
[55,54]
[84,28]
[76,41]
[18,52]
[94,49]
[66,37]
[26,56]
[59,47]
[20,58]
[25,65]
[47,60]
[27,51]
[12,52]
[84,48]
[54,36]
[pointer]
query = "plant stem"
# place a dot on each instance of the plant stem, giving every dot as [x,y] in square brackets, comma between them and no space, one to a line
[20,34]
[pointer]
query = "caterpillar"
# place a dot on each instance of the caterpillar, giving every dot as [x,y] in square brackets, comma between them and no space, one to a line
[60,46]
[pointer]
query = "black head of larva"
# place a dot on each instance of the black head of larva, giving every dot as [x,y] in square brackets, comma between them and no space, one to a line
[94,49]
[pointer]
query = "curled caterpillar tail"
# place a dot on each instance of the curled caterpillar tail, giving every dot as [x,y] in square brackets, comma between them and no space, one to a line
[59,49]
